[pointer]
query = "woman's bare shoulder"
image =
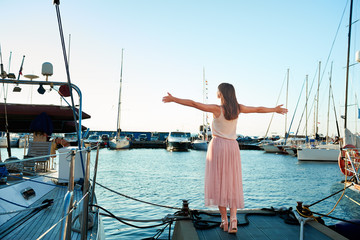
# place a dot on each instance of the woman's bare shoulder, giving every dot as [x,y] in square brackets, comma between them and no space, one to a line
[216,110]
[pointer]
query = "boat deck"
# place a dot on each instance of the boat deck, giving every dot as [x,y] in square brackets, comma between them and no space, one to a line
[32,224]
[261,226]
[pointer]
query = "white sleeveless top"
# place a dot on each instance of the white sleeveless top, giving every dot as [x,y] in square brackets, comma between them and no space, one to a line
[224,128]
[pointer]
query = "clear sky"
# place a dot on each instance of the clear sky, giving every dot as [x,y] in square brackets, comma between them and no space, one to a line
[249,44]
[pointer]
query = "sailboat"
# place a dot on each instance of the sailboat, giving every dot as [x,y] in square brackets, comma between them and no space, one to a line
[328,152]
[278,146]
[119,142]
[349,157]
[202,142]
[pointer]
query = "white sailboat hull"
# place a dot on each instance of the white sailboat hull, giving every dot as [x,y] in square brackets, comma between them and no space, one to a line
[318,154]
[119,144]
[271,148]
[3,142]
[200,145]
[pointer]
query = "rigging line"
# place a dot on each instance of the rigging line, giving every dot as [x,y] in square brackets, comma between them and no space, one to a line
[3,75]
[297,104]
[123,195]
[40,157]
[277,101]
[333,43]
[336,119]
[307,100]
[78,128]
[329,196]
[339,219]
[65,57]
[45,183]
[331,49]
[63,98]
[29,159]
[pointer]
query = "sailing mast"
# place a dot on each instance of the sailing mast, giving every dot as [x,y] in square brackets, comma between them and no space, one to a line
[328,114]
[347,65]
[287,93]
[119,106]
[205,97]
[317,104]
[306,107]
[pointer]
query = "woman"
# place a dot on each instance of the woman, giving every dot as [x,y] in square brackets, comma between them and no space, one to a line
[223,181]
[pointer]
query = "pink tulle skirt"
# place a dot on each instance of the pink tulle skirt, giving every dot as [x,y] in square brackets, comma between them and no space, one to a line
[223,181]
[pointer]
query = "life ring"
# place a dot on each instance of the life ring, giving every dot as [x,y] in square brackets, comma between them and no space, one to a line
[342,156]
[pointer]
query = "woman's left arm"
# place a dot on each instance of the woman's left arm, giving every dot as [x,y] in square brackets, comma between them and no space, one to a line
[215,109]
[278,109]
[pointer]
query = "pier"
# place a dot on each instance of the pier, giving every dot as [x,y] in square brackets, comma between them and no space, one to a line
[148,144]
[158,139]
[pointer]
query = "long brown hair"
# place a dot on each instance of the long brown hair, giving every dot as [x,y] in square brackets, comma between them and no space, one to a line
[229,101]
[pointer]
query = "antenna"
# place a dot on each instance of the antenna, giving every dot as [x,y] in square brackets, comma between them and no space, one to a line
[3,73]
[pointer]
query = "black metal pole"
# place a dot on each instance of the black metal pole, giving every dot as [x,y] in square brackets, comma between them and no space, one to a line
[347,64]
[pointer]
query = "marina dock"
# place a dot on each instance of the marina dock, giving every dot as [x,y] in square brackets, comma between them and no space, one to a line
[148,144]
[254,224]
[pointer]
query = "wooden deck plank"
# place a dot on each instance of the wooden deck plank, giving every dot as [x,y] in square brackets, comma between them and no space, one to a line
[247,232]
[52,215]
[46,218]
[261,227]
[43,218]
[272,226]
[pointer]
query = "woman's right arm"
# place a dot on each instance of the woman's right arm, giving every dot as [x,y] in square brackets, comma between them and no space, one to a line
[278,109]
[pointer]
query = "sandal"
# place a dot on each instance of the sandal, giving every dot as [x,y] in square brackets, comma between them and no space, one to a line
[224,225]
[233,226]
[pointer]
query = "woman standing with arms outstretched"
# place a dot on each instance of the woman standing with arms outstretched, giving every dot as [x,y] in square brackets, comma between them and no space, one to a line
[223,180]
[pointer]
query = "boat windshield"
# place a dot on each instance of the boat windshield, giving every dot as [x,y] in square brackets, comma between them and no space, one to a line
[178,134]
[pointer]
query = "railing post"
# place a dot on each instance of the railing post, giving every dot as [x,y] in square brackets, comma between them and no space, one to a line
[84,225]
[95,173]
[353,170]
[65,232]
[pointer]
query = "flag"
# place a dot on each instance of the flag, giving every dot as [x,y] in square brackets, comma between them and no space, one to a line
[358,113]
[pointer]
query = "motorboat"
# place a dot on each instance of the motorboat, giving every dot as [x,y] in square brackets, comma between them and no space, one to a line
[177,141]
[92,141]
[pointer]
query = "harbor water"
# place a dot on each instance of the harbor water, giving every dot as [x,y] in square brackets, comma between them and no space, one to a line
[166,178]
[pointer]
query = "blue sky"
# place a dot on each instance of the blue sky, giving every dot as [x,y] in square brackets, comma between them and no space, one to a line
[250,44]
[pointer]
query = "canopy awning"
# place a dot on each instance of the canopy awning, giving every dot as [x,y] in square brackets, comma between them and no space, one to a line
[20,116]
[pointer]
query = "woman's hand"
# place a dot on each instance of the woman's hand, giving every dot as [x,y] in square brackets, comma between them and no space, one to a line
[168,98]
[279,109]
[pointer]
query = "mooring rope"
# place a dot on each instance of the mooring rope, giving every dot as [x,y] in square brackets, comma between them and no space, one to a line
[135,199]
[123,220]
